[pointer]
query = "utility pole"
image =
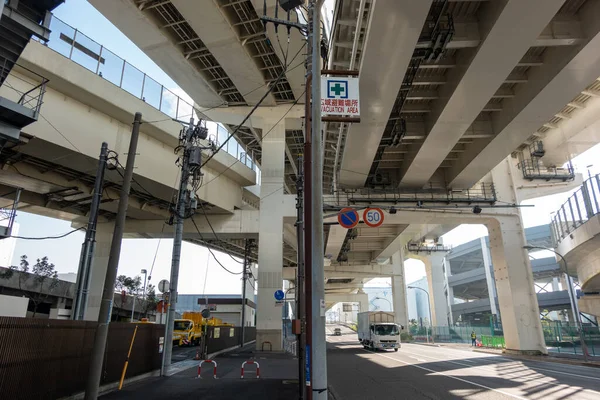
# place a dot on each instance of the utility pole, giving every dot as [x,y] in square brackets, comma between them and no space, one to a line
[89,244]
[248,247]
[318,348]
[191,161]
[300,296]
[95,372]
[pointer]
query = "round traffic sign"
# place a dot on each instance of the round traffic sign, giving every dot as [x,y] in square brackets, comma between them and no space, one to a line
[163,286]
[279,295]
[348,218]
[373,217]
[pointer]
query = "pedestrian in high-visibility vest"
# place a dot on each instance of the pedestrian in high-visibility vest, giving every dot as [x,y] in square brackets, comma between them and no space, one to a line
[473,339]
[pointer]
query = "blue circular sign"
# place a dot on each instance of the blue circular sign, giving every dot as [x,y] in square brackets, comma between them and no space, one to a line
[348,218]
[279,295]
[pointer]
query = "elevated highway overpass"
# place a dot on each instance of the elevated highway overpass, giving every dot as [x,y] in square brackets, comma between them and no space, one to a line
[455,95]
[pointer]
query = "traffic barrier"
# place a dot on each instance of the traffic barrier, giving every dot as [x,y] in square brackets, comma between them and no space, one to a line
[214,369]
[251,362]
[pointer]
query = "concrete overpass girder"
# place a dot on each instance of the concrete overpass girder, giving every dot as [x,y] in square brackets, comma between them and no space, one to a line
[565,73]
[469,87]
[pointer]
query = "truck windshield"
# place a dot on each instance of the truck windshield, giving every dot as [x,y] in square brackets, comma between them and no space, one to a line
[181,325]
[386,330]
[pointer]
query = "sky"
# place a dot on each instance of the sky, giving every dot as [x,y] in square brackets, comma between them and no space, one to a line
[199,273]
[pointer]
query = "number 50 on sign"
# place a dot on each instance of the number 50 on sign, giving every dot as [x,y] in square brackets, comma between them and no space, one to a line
[373,217]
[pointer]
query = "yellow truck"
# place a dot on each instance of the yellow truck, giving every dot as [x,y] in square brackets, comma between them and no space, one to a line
[188,329]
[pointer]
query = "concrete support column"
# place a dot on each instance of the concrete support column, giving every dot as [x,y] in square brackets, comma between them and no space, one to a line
[399,289]
[434,269]
[270,242]
[98,271]
[517,300]
[491,285]
[450,290]
[514,282]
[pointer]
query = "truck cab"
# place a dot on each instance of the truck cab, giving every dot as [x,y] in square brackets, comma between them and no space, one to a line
[186,332]
[384,336]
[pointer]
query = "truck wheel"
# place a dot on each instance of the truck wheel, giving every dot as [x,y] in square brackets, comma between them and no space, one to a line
[396,350]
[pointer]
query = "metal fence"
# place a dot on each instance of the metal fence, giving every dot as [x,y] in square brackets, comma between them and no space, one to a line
[563,337]
[49,359]
[224,337]
[71,43]
[560,337]
[580,207]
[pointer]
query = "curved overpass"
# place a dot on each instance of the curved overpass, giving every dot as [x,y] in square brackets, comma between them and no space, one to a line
[576,227]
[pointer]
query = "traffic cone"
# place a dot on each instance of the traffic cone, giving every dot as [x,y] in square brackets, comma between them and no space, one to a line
[197,355]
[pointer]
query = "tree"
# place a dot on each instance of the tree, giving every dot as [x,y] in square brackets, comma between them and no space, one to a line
[126,285]
[44,276]
[151,300]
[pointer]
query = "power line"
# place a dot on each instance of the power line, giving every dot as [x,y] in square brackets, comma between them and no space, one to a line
[224,104]
[215,233]
[264,136]
[246,118]
[48,237]
[213,254]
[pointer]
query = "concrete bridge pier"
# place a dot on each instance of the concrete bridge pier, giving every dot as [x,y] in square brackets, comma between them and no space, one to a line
[399,289]
[98,269]
[434,268]
[270,245]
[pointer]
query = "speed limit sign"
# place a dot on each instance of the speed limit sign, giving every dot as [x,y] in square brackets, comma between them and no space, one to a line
[373,217]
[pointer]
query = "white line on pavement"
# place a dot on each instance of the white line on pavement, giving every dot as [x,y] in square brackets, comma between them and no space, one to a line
[450,376]
[523,361]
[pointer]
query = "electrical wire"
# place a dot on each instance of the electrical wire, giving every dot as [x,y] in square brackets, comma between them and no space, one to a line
[211,252]
[48,237]
[215,233]
[224,104]
[246,118]
[264,136]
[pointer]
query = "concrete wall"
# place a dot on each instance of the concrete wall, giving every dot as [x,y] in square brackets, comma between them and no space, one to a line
[12,306]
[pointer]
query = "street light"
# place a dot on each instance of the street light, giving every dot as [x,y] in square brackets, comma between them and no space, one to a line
[383,298]
[428,306]
[572,300]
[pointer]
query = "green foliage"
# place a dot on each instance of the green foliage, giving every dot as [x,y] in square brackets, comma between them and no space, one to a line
[44,274]
[130,285]
[406,337]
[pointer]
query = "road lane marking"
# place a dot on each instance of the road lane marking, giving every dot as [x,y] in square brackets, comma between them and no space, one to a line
[450,376]
[524,364]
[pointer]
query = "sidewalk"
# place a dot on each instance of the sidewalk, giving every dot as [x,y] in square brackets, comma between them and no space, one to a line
[278,380]
[559,358]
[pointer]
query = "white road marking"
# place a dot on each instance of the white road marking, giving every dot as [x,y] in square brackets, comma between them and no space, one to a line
[450,376]
[524,360]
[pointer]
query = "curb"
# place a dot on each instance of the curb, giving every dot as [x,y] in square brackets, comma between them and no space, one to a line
[332,395]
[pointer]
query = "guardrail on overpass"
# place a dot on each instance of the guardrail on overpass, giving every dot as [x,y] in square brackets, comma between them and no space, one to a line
[81,49]
[578,209]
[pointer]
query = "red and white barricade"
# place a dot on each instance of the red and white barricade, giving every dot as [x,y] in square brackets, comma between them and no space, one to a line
[254,363]
[210,362]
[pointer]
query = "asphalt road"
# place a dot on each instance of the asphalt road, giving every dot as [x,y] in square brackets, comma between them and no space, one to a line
[427,372]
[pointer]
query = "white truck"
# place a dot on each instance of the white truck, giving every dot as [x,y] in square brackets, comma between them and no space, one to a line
[377,330]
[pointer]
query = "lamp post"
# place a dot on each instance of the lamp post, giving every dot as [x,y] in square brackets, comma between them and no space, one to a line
[383,298]
[429,307]
[572,300]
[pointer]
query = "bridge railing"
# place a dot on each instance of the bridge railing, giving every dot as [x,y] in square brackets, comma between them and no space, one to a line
[71,43]
[579,208]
